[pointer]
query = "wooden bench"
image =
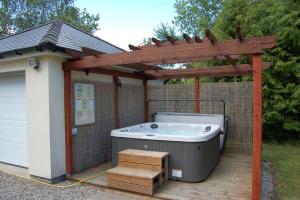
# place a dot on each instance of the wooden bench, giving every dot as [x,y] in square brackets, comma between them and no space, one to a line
[139,171]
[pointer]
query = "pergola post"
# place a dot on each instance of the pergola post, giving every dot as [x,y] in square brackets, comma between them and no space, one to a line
[197,94]
[257,126]
[68,120]
[145,100]
[116,100]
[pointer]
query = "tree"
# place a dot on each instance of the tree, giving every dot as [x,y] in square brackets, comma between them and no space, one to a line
[281,87]
[163,30]
[18,15]
[281,83]
[193,16]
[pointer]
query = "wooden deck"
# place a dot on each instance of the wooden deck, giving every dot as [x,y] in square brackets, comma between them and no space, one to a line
[230,180]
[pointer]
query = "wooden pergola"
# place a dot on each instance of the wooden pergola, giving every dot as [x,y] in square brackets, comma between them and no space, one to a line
[143,58]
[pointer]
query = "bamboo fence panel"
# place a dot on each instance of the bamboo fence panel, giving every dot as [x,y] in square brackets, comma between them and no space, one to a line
[131,104]
[92,144]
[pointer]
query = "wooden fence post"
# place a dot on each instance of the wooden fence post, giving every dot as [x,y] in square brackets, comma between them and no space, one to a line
[68,120]
[145,100]
[197,94]
[116,99]
[257,126]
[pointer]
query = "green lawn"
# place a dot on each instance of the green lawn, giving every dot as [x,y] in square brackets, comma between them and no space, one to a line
[286,161]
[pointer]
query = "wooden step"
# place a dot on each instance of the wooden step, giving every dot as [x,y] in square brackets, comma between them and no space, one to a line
[132,179]
[149,160]
[139,165]
[136,152]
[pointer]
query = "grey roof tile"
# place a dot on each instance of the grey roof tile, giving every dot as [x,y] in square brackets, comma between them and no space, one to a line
[56,33]
[24,39]
[76,39]
[52,34]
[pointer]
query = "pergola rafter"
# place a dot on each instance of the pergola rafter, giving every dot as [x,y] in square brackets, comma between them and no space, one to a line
[241,38]
[198,39]
[239,33]
[171,39]
[213,40]
[142,58]
[157,42]
[187,38]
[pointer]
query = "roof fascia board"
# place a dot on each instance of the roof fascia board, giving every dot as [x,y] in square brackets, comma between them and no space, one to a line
[34,54]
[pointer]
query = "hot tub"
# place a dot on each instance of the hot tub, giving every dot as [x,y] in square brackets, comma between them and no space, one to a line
[194,148]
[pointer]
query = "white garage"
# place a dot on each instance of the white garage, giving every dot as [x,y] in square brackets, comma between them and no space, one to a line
[13,123]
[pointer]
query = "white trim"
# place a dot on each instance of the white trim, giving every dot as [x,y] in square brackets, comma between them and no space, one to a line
[33,54]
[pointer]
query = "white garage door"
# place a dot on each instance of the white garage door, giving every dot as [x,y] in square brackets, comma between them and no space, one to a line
[13,136]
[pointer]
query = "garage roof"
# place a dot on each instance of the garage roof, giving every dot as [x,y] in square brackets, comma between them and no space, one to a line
[55,34]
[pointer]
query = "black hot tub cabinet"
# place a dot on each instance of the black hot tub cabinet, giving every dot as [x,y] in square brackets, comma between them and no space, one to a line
[192,156]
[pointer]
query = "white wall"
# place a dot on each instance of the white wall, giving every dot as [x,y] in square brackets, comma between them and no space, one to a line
[45,103]
[57,118]
[45,112]
[38,112]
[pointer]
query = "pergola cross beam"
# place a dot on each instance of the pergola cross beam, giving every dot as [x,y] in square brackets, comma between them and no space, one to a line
[176,52]
[216,71]
[189,60]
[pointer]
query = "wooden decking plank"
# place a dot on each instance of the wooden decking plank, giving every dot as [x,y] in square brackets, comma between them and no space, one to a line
[230,180]
[206,193]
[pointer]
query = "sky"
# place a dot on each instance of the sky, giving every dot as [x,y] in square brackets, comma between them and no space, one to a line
[124,22]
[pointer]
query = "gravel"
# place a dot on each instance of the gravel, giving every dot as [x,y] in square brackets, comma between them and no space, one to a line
[15,188]
[267,182]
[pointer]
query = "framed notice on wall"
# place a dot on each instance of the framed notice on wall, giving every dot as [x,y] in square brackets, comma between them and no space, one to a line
[84,96]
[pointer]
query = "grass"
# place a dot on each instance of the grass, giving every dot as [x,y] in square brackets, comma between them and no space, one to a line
[285,158]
